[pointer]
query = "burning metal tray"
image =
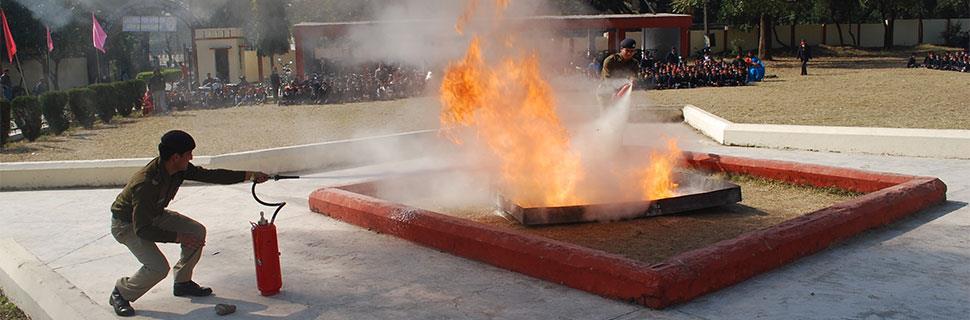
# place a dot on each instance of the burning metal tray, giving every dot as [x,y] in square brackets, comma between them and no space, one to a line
[694,192]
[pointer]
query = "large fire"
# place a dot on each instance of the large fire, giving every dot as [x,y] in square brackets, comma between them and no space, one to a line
[512,109]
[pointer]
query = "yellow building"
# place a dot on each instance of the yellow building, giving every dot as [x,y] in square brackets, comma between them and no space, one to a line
[224,53]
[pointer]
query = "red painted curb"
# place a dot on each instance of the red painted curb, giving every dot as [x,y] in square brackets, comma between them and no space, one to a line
[678,279]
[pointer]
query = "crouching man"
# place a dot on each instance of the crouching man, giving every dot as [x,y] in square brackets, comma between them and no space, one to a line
[140,220]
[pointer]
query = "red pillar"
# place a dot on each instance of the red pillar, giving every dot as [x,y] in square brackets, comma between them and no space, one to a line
[684,42]
[620,35]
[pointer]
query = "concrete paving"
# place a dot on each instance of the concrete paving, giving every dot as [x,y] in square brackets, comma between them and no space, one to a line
[916,268]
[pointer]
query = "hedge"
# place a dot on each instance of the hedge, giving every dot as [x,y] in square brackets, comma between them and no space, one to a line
[4,121]
[82,106]
[105,100]
[27,115]
[54,107]
[134,90]
[171,75]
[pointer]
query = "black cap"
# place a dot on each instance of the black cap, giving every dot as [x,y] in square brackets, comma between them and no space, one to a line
[628,43]
[176,141]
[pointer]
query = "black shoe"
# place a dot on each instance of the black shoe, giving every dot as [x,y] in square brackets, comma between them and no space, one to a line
[191,288]
[122,307]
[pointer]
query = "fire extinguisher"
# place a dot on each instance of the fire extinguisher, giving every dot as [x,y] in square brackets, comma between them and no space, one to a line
[269,279]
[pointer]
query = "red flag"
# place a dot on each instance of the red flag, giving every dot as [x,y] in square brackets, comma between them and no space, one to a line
[98,34]
[50,42]
[11,46]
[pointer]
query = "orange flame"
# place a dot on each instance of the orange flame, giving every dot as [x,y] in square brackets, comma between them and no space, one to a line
[657,179]
[512,108]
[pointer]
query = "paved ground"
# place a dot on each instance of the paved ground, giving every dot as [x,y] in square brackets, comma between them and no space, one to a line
[917,268]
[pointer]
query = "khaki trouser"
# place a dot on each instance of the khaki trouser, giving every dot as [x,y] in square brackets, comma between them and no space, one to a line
[154,265]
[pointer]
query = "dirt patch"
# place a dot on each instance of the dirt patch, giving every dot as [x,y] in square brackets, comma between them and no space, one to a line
[652,240]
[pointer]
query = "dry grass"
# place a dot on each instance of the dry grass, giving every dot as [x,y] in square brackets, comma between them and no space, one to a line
[221,131]
[850,87]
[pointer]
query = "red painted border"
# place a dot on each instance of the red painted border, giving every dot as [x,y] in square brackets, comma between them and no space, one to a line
[678,279]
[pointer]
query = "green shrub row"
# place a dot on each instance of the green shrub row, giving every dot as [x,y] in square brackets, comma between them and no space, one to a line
[170,75]
[82,105]
[5,118]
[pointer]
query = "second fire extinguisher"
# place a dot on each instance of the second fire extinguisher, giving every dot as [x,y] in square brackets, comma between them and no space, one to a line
[266,251]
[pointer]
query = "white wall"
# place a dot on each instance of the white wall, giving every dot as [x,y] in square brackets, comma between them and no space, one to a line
[906,32]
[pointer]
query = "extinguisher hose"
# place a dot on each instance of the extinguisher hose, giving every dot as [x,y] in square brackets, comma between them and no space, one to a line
[278,205]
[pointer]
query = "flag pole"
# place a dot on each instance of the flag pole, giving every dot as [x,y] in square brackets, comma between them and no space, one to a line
[22,76]
[97,59]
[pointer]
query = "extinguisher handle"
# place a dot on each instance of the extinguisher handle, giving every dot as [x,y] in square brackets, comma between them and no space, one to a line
[278,205]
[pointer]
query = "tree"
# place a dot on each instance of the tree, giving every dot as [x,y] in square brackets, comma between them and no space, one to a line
[890,10]
[747,13]
[688,6]
[24,28]
[840,12]
[270,28]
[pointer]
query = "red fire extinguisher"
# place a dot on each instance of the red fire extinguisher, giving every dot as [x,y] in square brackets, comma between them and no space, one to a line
[266,251]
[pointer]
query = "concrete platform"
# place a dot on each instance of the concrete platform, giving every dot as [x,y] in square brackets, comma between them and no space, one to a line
[936,143]
[916,268]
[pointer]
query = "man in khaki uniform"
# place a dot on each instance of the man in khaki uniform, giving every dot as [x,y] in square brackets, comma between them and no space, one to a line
[619,69]
[139,220]
[621,64]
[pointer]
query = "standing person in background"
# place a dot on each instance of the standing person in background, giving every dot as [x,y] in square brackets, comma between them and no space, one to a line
[40,87]
[6,84]
[274,80]
[673,57]
[804,54]
[156,84]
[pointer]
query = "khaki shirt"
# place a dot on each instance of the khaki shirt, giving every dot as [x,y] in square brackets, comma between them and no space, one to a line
[150,190]
[615,67]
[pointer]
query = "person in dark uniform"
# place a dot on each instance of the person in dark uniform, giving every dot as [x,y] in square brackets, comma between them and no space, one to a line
[275,81]
[804,54]
[621,64]
[140,220]
[911,63]
[6,84]
[673,57]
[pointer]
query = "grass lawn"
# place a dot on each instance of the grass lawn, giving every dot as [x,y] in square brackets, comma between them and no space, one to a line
[9,311]
[845,87]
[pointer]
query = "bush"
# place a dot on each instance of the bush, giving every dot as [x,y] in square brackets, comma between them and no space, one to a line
[27,115]
[105,100]
[170,75]
[54,107]
[123,103]
[82,106]
[135,90]
[4,121]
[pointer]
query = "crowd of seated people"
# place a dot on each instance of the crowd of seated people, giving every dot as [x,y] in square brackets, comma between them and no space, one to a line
[952,61]
[676,73]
